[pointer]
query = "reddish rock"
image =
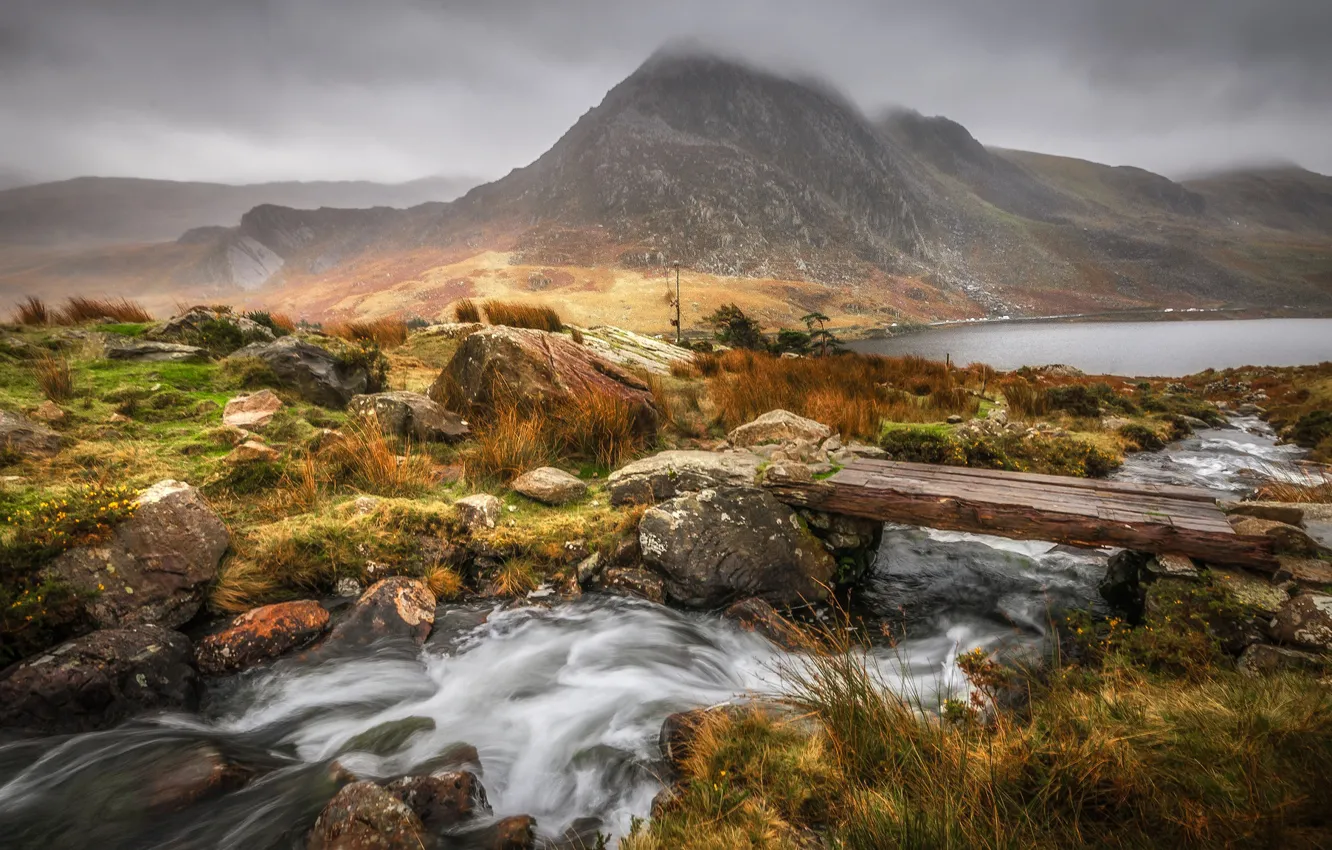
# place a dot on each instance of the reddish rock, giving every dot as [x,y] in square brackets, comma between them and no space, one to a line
[755,615]
[363,816]
[252,451]
[539,368]
[190,775]
[252,411]
[261,634]
[512,833]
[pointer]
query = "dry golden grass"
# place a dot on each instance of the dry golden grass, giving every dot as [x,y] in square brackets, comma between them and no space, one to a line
[53,376]
[241,585]
[1307,484]
[283,322]
[374,463]
[445,583]
[517,577]
[387,332]
[1025,400]
[32,311]
[466,311]
[79,309]
[517,315]
[506,445]
[851,393]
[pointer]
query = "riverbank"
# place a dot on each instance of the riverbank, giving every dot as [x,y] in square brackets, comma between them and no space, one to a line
[502,548]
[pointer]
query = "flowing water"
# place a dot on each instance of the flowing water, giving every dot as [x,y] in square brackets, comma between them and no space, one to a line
[562,703]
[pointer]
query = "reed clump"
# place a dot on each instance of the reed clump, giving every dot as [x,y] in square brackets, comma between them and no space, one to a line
[366,459]
[79,309]
[387,332]
[466,311]
[517,315]
[54,377]
[32,311]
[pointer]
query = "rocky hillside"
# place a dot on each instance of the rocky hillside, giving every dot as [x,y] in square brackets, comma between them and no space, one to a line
[764,188]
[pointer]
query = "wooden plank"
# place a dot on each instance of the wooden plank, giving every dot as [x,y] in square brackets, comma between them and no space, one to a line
[905,467]
[959,512]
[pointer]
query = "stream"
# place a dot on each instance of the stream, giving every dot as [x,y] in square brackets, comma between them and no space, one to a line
[563,703]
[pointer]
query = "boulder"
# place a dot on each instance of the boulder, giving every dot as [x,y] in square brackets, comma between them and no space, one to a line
[156,566]
[404,414]
[1170,566]
[755,615]
[779,426]
[388,737]
[188,323]
[99,680]
[539,368]
[252,411]
[716,546]
[396,607]
[550,486]
[180,778]
[1262,659]
[633,581]
[479,511]
[261,634]
[1308,571]
[1290,514]
[363,816]
[1305,620]
[149,351]
[668,474]
[49,412]
[21,436]
[252,451]
[1286,539]
[441,800]
[1252,592]
[316,374]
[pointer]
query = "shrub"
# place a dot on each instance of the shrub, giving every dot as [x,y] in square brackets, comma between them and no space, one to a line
[78,309]
[280,325]
[365,355]
[732,327]
[32,311]
[1075,399]
[1312,428]
[1013,452]
[516,315]
[220,337]
[386,333]
[53,377]
[246,373]
[466,311]
[1025,400]
[1143,438]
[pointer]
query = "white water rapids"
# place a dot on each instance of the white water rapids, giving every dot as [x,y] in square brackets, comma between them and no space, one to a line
[562,703]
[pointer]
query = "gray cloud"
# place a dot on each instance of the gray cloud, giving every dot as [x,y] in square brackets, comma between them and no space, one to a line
[395,89]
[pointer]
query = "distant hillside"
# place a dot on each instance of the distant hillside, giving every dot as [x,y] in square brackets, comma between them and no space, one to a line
[774,193]
[104,210]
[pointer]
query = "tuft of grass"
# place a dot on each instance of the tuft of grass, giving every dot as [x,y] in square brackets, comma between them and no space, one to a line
[1306,483]
[370,461]
[516,315]
[445,583]
[54,377]
[508,444]
[466,311]
[241,585]
[32,311]
[388,332]
[516,577]
[1025,400]
[79,309]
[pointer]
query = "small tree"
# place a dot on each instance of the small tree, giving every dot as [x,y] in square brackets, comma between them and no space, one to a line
[823,339]
[732,327]
[795,342]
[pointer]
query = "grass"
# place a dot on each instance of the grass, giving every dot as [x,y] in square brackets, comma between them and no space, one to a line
[466,311]
[1055,455]
[32,311]
[78,310]
[517,315]
[1104,754]
[1305,484]
[374,463]
[851,393]
[388,332]
[53,376]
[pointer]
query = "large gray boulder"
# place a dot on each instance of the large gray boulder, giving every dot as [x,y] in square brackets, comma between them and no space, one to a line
[99,680]
[668,474]
[316,374]
[151,351]
[188,324]
[21,436]
[779,426]
[406,414]
[549,486]
[156,567]
[1305,620]
[717,546]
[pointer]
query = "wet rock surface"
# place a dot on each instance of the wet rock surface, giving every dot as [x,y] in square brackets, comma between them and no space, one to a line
[259,635]
[715,546]
[407,414]
[156,567]
[396,607]
[99,680]
[758,616]
[671,473]
[315,373]
[442,800]
[364,816]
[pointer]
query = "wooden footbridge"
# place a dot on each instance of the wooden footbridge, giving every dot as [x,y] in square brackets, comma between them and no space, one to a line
[1082,512]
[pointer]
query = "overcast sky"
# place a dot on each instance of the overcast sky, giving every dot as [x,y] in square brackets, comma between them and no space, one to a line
[249,90]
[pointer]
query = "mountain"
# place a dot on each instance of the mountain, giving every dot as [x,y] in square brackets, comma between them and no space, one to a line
[108,210]
[779,195]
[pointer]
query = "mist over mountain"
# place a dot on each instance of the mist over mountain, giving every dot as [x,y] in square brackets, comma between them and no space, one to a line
[735,173]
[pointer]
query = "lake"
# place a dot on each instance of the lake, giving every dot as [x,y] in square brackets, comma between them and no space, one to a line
[1167,349]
